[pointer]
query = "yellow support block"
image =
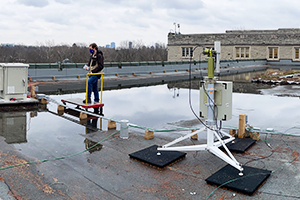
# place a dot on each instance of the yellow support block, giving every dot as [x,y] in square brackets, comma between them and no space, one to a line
[111,124]
[149,135]
[232,132]
[194,137]
[60,110]
[43,101]
[82,116]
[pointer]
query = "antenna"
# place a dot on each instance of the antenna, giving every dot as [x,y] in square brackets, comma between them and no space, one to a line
[175,26]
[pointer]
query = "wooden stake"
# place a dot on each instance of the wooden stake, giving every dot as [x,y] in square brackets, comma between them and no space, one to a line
[242,125]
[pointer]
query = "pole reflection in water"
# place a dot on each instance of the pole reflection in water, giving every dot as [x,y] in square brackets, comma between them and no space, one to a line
[91,127]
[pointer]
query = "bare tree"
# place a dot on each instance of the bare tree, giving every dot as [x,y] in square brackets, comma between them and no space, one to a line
[78,53]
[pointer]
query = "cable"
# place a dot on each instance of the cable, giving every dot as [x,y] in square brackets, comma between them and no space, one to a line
[258,158]
[232,180]
[190,88]
[213,107]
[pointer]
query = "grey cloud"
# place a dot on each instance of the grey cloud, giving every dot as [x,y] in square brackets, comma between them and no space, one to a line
[64,1]
[181,4]
[147,5]
[34,3]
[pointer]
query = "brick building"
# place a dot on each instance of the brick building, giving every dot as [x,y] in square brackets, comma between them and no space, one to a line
[281,44]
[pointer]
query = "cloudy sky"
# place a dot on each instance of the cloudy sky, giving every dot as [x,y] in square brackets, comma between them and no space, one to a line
[32,22]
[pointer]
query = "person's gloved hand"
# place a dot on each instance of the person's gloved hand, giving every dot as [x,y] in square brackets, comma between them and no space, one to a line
[86,67]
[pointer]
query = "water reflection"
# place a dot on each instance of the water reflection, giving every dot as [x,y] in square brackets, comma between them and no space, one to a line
[90,123]
[92,146]
[13,126]
[91,127]
[175,90]
[238,87]
[50,135]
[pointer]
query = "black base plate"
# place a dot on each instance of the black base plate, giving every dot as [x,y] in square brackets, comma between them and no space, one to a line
[149,156]
[252,179]
[240,145]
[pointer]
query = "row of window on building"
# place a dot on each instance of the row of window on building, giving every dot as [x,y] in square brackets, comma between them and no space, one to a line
[244,52]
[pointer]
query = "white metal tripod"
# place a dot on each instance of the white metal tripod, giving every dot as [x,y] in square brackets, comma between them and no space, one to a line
[211,128]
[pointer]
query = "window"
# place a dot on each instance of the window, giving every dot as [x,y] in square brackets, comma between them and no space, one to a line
[242,52]
[273,53]
[297,53]
[187,51]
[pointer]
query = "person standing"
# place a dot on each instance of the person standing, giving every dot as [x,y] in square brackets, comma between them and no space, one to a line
[95,65]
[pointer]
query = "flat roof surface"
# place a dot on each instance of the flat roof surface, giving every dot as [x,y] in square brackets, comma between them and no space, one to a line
[68,171]
[109,173]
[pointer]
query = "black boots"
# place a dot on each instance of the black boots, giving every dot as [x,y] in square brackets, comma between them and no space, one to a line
[89,101]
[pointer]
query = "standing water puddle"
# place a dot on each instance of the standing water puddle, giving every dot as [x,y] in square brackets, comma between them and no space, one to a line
[42,134]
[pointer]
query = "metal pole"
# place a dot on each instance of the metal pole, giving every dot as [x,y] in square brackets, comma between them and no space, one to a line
[86,89]
[101,87]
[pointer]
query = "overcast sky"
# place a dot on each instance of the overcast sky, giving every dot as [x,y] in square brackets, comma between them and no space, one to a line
[32,22]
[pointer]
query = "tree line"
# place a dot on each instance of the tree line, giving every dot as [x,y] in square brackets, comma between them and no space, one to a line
[79,53]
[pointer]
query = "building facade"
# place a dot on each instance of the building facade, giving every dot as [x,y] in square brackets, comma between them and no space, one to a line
[237,44]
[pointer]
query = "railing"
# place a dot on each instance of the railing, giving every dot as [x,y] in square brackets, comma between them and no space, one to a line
[101,90]
[46,71]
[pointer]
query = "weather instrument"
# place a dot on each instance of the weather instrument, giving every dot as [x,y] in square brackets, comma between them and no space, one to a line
[215,105]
